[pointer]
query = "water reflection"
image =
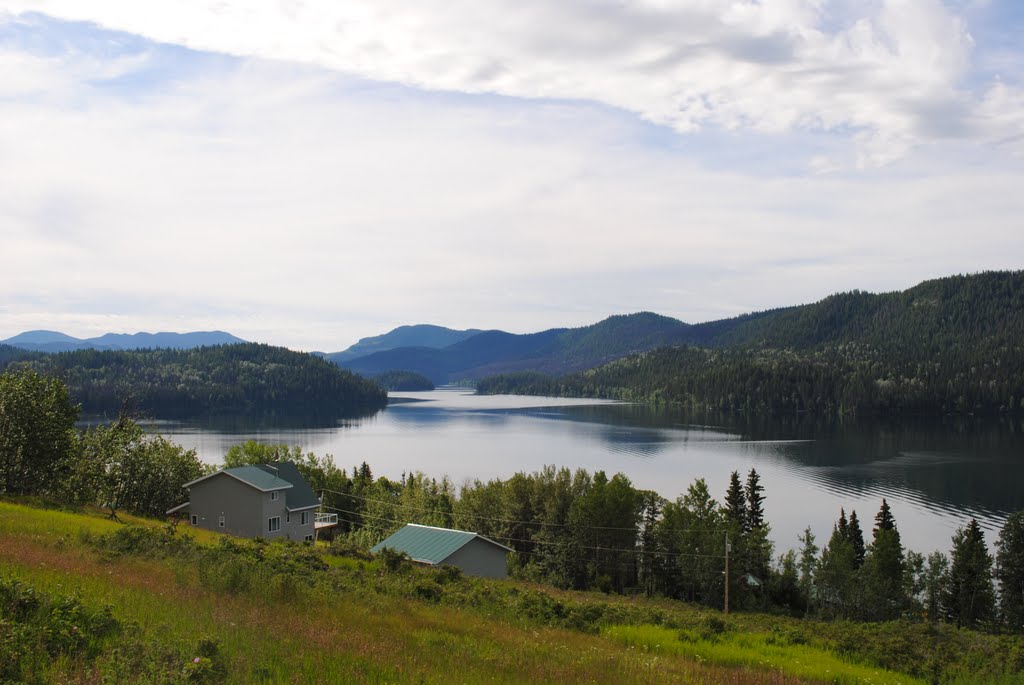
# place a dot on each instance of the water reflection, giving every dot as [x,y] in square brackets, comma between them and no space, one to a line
[935,474]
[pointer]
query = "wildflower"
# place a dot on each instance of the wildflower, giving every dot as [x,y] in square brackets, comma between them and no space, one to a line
[196,660]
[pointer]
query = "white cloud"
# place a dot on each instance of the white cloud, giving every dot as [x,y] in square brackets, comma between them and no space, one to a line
[293,206]
[886,71]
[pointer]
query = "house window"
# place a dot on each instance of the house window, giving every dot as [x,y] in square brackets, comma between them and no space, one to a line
[274,495]
[220,522]
[195,519]
[308,538]
[304,519]
[274,524]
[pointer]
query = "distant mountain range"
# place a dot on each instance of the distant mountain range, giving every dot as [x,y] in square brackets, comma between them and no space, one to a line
[936,315]
[421,335]
[54,341]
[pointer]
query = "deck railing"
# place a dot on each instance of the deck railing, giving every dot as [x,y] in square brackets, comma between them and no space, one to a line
[323,520]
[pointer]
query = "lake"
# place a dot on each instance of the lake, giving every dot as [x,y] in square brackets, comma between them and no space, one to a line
[934,474]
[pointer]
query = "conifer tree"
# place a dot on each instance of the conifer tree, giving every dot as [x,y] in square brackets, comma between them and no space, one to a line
[755,500]
[856,537]
[1010,571]
[884,569]
[968,598]
[736,503]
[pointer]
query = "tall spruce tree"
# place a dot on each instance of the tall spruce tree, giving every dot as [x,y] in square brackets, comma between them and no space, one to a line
[1010,571]
[856,537]
[884,570]
[755,500]
[968,598]
[736,504]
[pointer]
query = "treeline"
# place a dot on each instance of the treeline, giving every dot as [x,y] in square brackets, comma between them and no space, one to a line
[247,379]
[949,346]
[404,381]
[116,466]
[587,531]
[843,379]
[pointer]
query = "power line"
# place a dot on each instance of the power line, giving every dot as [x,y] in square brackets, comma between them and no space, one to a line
[514,521]
[543,542]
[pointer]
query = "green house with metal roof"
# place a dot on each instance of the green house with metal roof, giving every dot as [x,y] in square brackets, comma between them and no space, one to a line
[265,500]
[475,554]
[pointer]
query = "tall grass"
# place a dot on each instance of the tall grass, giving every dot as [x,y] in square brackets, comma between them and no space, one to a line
[765,652]
[289,613]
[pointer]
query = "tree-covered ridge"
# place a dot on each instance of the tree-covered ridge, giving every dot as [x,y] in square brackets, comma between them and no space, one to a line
[403,381]
[954,345]
[248,379]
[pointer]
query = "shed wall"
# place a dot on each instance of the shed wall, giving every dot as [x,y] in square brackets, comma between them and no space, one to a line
[480,558]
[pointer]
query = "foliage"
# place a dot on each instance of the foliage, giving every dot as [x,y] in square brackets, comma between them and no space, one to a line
[37,435]
[43,633]
[1010,571]
[968,597]
[947,346]
[404,381]
[245,379]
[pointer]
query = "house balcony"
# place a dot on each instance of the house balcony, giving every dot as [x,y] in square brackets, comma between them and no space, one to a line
[325,521]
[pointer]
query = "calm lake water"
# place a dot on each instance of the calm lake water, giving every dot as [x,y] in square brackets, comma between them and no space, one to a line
[935,475]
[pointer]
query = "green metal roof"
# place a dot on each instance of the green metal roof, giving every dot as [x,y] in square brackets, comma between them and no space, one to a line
[257,477]
[428,544]
[301,496]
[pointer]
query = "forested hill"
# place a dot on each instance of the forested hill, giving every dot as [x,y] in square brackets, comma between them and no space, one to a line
[952,345]
[419,335]
[557,350]
[248,379]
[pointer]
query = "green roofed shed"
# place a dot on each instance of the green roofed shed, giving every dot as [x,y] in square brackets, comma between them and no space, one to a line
[473,553]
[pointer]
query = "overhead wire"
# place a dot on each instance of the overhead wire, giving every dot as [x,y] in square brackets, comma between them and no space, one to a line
[514,521]
[544,542]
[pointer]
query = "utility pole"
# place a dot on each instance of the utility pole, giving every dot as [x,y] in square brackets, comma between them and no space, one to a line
[727,548]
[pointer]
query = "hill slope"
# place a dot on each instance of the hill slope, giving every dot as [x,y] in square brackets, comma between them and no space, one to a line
[215,609]
[420,335]
[247,379]
[948,345]
[555,350]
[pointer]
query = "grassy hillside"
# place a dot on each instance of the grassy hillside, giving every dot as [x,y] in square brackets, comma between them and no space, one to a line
[207,609]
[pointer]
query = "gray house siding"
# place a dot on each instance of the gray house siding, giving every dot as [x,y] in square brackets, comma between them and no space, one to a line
[296,529]
[480,558]
[241,506]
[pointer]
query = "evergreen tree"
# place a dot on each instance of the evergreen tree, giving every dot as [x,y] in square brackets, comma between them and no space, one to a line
[1010,571]
[884,519]
[968,598]
[755,500]
[883,571]
[842,527]
[856,537]
[736,504]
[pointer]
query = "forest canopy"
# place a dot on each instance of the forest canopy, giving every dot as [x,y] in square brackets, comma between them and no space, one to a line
[248,379]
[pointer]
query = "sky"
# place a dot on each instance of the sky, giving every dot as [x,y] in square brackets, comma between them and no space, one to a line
[309,172]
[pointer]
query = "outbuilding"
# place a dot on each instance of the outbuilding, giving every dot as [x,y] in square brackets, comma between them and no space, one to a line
[475,554]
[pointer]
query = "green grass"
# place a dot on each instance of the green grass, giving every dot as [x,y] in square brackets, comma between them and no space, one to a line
[753,650]
[286,613]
